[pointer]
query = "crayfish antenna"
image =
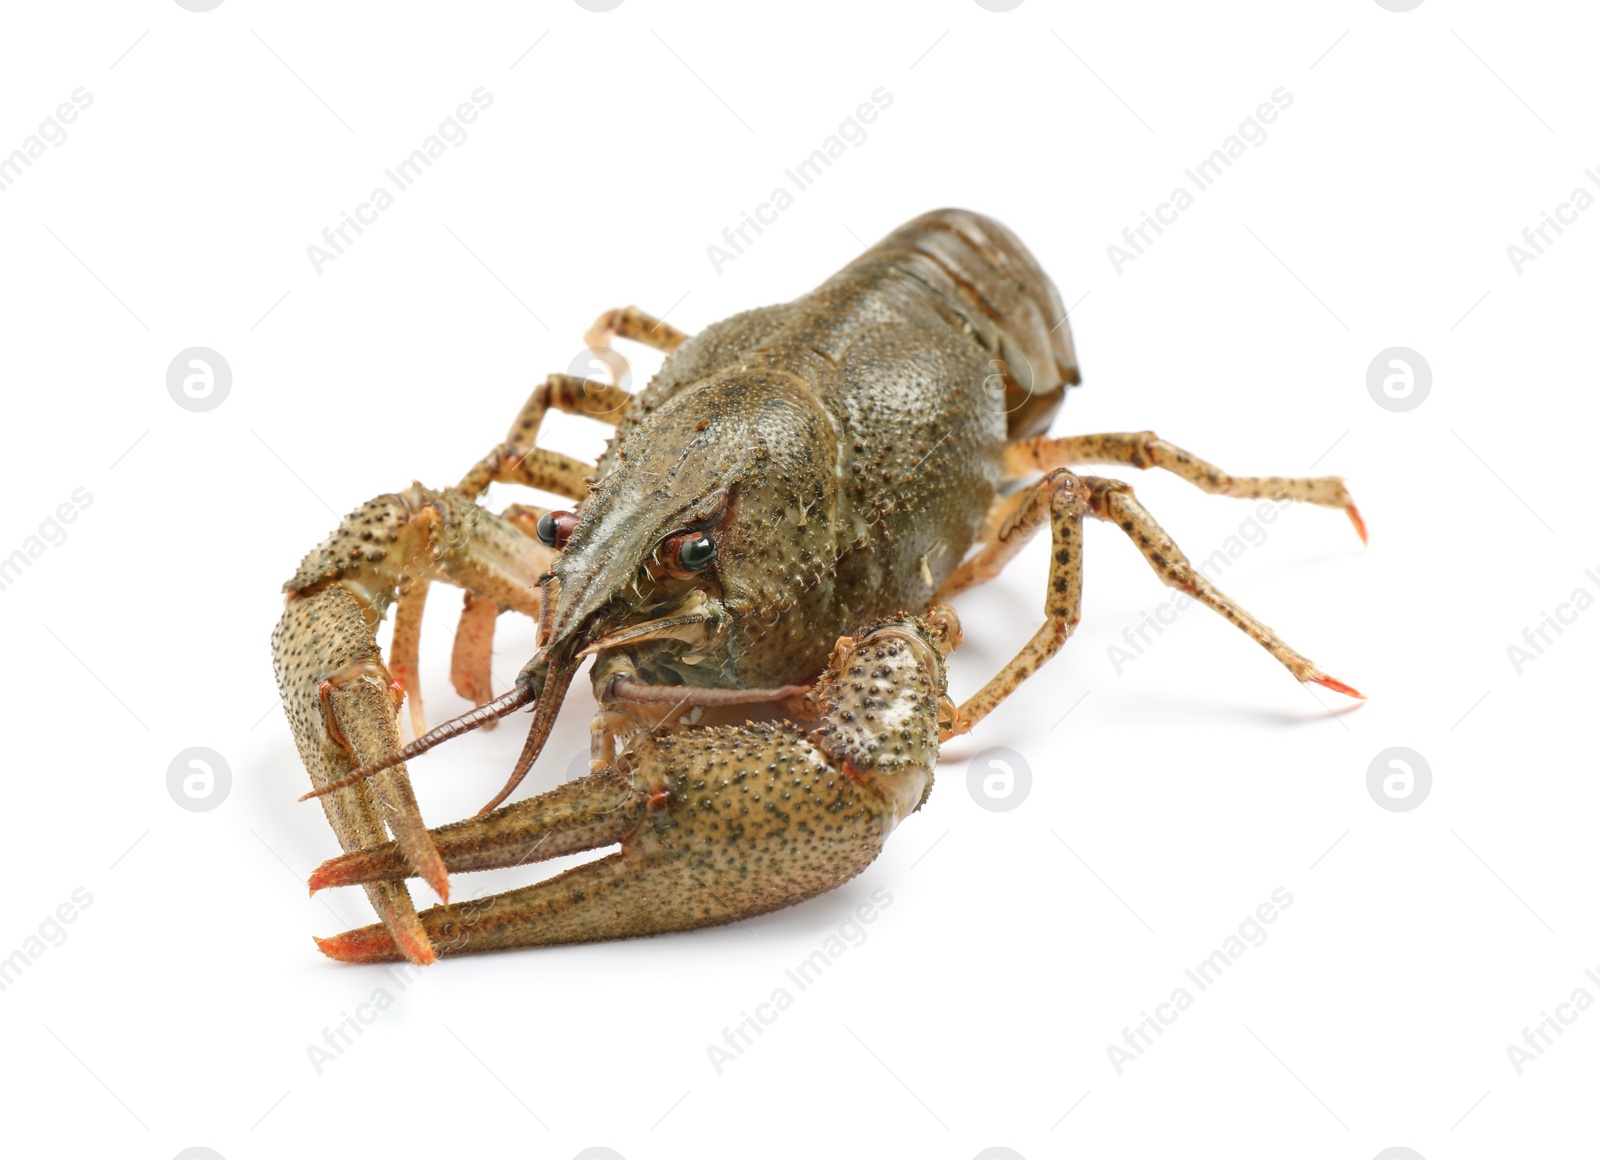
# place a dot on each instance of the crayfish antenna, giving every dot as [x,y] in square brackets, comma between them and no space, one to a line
[507,703]
[551,694]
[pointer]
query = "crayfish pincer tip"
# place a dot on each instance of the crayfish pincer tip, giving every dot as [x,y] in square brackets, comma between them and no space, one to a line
[424,857]
[373,944]
[323,877]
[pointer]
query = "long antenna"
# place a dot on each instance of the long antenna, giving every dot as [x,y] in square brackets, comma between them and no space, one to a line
[551,694]
[518,696]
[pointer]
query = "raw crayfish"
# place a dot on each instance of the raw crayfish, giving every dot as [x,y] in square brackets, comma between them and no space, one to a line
[781,516]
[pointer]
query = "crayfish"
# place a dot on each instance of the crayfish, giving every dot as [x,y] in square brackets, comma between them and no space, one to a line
[781,517]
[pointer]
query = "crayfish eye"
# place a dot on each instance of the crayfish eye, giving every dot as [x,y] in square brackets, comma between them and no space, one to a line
[553,529]
[696,552]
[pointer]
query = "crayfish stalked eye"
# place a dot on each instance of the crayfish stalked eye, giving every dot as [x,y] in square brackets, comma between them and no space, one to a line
[691,552]
[553,529]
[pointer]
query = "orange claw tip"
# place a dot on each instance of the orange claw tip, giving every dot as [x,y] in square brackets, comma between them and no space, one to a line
[325,875]
[1355,518]
[373,944]
[1337,686]
[425,860]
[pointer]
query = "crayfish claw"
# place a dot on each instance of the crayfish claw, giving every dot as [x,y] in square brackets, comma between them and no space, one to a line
[695,848]
[340,701]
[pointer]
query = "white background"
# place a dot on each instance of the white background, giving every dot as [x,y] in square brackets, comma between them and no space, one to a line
[1176,796]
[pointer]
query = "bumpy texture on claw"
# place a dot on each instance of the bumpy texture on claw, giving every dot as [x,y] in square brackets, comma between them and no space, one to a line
[325,634]
[340,698]
[717,824]
[582,815]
